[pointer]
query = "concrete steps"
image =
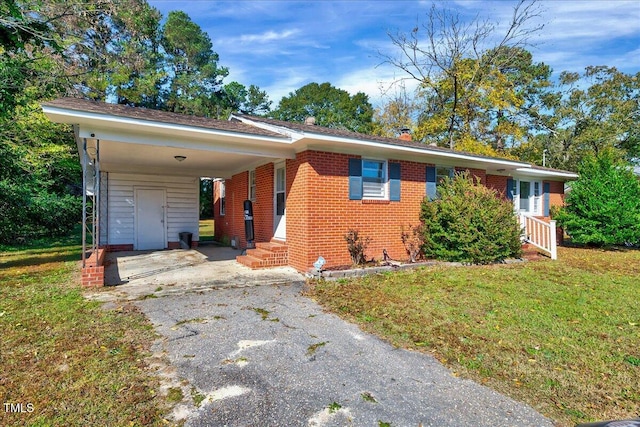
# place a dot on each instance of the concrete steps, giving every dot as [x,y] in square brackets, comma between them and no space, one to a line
[266,254]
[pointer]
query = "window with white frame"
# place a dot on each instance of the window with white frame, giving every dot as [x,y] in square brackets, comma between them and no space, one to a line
[443,172]
[528,197]
[222,198]
[252,185]
[374,179]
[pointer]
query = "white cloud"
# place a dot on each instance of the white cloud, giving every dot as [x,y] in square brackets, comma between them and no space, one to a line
[267,36]
[377,82]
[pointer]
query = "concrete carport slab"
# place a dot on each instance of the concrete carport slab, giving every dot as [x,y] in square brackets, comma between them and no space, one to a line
[139,274]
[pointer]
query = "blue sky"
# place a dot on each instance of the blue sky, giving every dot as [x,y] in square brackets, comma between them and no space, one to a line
[283,45]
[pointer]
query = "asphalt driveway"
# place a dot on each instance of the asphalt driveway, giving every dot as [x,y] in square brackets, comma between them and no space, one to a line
[268,356]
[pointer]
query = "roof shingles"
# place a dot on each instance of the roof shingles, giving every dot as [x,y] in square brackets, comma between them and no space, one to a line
[138,113]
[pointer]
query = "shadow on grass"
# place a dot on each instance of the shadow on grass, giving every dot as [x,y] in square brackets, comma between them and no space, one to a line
[71,253]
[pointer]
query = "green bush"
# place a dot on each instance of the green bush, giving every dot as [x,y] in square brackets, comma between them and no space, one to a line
[26,214]
[603,205]
[469,222]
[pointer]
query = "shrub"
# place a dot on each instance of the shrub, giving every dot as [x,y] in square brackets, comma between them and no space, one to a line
[357,245]
[28,213]
[413,241]
[603,206]
[469,222]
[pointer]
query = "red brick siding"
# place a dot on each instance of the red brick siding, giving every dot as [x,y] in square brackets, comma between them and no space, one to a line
[319,212]
[556,193]
[326,213]
[498,183]
[299,196]
[93,271]
[237,191]
[263,205]
[232,223]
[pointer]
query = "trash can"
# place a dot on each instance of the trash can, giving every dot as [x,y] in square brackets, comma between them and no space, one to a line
[185,239]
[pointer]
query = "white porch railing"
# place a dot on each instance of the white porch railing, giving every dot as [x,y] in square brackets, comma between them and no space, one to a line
[540,234]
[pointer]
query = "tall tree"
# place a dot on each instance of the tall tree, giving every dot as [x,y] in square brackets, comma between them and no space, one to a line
[398,111]
[194,71]
[603,206]
[457,67]
[137,73]
[236,97]
[586,114]
[331,107]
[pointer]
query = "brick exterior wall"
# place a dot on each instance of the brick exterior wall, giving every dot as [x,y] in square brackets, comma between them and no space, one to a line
[232,223]
[498,183]
[263,205]
[319,212]
[237,191]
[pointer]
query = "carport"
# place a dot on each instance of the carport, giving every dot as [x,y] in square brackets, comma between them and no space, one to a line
[141,171]
[132,275]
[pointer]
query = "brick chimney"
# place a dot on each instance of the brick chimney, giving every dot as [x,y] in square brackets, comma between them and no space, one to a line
[405,134]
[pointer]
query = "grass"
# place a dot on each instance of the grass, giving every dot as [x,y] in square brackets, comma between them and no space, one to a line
[311,350]
[562,336]
[207,230]
[74,362]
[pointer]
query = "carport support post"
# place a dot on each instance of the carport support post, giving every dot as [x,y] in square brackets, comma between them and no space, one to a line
[92,268]
[84,202]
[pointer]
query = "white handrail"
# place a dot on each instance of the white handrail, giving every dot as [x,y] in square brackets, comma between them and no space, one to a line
[540,234]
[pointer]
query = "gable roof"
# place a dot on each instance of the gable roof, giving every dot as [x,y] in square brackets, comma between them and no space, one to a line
[247,139]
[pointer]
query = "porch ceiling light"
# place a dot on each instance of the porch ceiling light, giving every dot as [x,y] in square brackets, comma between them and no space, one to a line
[180,158]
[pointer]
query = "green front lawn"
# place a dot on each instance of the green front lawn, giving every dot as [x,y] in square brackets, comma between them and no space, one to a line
[562,336]
[207,230]
[65,360]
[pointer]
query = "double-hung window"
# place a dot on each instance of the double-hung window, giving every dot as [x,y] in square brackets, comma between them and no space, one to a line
[252,185]
[374,179]
[435,177]
[371,179]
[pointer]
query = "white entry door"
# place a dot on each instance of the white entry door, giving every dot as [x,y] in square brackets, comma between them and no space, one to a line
[150,219]
[279,202]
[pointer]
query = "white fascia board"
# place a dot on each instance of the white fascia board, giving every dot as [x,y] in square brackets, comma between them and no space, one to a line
[546,173]
[63,115]
[415,150]
[170,140]
[121,129]
[289,133]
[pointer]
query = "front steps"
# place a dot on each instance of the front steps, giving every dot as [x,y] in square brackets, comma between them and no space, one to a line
[266,254]
[531,253]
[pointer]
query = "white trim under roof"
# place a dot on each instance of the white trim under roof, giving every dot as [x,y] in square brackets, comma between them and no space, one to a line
[542,173]
[415,150]
[64,115]
[300,138]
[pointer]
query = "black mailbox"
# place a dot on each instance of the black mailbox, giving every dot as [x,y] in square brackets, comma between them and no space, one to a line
[248,224]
